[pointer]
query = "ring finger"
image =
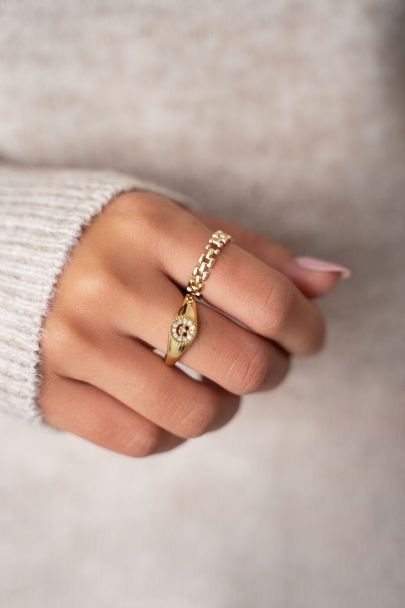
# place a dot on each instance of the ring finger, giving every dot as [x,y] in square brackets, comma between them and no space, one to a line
[225,352]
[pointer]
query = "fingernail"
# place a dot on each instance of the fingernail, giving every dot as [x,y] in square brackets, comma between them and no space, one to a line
[322,266]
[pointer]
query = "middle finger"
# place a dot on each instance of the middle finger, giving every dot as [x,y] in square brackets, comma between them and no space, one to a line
[240,284]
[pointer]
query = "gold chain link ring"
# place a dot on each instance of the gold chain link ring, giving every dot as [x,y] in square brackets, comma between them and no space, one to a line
[184,328]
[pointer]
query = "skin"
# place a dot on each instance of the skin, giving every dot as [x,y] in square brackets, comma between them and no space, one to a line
[114,304]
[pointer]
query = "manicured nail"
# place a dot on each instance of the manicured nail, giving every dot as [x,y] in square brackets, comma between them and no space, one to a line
[322,266]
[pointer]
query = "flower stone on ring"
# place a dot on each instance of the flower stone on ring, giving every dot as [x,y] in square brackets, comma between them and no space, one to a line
[183,330]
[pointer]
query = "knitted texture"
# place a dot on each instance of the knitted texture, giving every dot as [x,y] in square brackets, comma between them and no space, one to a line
[42,214]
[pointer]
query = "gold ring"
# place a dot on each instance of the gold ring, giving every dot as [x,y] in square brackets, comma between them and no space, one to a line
[184,328]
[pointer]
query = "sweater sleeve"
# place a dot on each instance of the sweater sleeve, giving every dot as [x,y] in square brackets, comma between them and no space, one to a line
[42,214]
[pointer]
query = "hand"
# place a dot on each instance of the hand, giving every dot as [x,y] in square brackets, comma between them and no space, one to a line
[115,302]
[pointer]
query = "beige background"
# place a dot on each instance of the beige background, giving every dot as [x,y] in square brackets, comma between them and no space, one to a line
[289,117]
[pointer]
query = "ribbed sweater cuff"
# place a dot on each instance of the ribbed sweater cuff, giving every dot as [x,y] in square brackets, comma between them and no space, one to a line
[42,214]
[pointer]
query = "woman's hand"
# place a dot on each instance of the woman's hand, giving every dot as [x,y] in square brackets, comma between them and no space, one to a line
[116,300]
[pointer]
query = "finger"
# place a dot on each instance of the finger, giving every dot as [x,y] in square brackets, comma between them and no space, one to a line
[84,410]
[226,353]
[240,284]
[313,281]
[166,396]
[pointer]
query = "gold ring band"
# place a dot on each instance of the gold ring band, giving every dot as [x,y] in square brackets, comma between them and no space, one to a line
[184,327]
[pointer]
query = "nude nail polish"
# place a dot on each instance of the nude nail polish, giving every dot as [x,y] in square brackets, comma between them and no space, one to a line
[318,265]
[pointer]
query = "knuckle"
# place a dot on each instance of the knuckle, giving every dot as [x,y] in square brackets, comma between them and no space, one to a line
[194,424]
[89,290]
[120,226]
[58,343]
[278,301]
[138,201]
[250,370]
[151,210]
[142,443]
[198,420]
[137,219]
